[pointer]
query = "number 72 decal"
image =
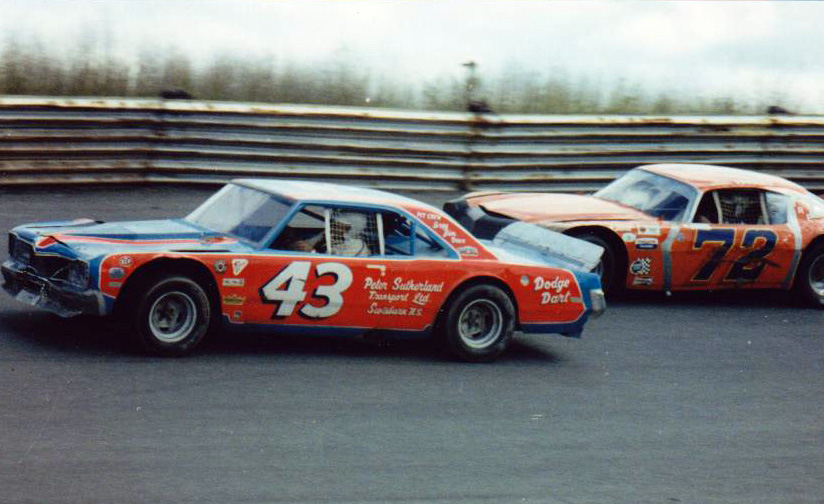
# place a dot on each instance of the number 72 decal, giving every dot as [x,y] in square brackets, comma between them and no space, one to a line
[746,268]
[288,289]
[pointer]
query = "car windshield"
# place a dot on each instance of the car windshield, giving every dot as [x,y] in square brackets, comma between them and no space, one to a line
[240,211]
[652,194]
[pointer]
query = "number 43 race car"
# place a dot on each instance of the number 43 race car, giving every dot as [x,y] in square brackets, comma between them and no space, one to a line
[309,257]
[680,227]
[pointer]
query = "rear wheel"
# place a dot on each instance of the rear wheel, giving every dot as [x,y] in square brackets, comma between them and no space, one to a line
[479,323]
[172,317]
[809,279]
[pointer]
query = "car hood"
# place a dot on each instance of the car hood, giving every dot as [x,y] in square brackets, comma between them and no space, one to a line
[88,238]
[557,207]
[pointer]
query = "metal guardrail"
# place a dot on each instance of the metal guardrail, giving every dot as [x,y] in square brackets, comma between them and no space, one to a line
[88,140]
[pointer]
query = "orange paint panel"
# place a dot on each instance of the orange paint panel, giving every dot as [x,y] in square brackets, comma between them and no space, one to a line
[381,293]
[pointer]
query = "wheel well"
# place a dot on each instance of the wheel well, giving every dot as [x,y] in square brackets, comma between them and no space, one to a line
[614,241]
[136,282]
[497,282]
[816,242]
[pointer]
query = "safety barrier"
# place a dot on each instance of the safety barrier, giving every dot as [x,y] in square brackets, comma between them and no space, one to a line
[88,141]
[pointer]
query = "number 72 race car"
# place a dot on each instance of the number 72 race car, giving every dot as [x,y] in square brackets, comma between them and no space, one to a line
[309,257]
[680,227]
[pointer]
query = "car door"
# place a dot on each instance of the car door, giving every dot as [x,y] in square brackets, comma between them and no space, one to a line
[738,238]
[346,267]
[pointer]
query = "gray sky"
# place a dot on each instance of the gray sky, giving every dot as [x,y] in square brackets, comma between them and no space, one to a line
[740,48]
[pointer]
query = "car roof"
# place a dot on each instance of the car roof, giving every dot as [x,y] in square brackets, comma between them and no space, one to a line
[301,190]
[705,177]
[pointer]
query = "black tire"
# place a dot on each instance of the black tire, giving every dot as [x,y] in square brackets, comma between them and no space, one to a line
[478,323]
[172,316]
[612,282]
[809,278]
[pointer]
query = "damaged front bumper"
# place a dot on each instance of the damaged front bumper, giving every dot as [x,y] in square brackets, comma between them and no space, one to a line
[57,296]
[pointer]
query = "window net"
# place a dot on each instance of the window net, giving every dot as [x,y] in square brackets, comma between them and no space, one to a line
[740,208]
[353,233]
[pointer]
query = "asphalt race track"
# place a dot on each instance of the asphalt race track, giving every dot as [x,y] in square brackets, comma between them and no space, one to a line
[694,399]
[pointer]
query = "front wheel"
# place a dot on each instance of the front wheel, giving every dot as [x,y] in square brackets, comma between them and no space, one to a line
[809,279]
[172,316]
[479,323]
[612,281]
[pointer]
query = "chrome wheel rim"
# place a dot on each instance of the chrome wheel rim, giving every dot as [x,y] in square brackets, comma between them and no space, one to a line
[815,277]
[172,317]
[480,323]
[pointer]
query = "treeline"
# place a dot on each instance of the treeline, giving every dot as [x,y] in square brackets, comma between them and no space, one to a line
[30,68]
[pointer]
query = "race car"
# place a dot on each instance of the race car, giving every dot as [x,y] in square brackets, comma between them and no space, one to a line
[309,257]
[676,227]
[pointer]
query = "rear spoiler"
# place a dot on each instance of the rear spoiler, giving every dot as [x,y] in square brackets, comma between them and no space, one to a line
[526,239]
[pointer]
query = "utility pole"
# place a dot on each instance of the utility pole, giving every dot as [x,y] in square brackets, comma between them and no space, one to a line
[472,82]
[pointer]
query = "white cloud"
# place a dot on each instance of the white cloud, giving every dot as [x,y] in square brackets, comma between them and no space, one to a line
[697,44]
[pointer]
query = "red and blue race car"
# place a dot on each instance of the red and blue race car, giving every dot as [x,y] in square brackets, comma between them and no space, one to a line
[309,257]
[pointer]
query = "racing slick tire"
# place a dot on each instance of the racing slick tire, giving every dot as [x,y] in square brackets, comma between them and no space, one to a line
[479,323]
[172,317]
[809,279]
[607,269]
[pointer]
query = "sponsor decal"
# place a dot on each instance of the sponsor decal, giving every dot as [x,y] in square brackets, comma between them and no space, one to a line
[443,228]
[401,311]
[116,273]
[220,266]
[237,315]
[642,281]
[646,243]
[554,291]
[411,285]
[233,282]
[428,216]
[628,237]
[238,265]
[421,299]
[680,237]
[468,251]
[640,266]
[524,280]
[125,261]
[394,297]
[234,300]
[448,233]
[649,230]
[116,285]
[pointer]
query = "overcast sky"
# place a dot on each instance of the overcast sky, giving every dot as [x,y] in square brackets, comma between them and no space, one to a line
[738,47]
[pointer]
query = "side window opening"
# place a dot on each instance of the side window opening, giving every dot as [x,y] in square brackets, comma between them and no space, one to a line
[304,232]
[398,237]
[777,207]
[741,206]
[331,230]
[397,234]
[426,246]
[707,212]
[355,232]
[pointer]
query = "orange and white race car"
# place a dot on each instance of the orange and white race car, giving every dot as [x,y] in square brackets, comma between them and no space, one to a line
[680,227]
[305,257]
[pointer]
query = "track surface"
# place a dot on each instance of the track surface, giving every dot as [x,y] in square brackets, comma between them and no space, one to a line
[693,399]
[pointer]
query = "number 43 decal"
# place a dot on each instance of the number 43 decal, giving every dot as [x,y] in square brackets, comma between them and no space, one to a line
[289,288]
[748,267]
